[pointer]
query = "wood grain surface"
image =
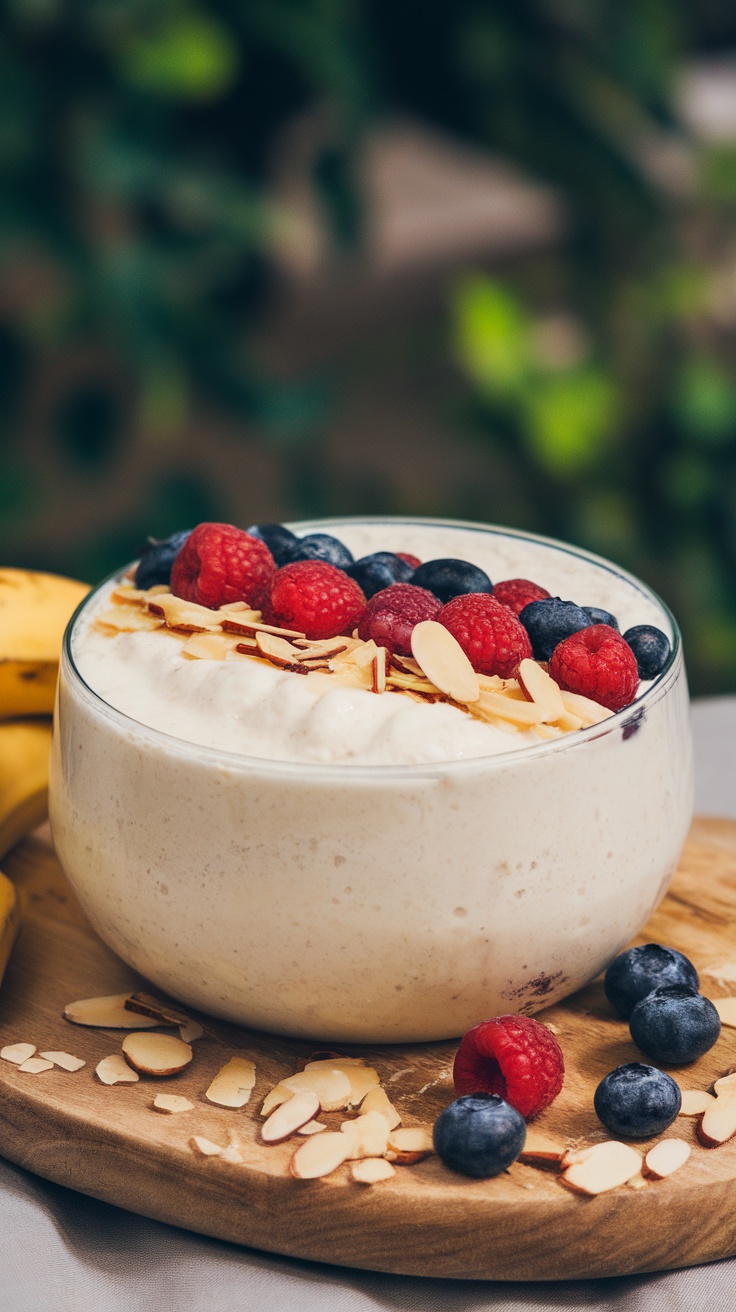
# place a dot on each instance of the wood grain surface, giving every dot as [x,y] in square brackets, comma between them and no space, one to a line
[524,1225]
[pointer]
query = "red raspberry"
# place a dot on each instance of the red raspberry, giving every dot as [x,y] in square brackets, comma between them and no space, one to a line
[598,663]
[488,632]
[414,561]
[517,593]
[220,563]
[391,614]
[513,1056]
[315,597]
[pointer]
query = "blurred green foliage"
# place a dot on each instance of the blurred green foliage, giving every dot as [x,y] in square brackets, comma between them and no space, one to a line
[136,223]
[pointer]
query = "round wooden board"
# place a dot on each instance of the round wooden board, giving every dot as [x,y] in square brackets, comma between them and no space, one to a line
[524,1225]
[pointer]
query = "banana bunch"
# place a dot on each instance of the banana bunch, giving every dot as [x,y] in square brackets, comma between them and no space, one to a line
[34,612]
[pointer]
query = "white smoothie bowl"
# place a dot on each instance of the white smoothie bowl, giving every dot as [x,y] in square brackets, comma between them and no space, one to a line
[378,903]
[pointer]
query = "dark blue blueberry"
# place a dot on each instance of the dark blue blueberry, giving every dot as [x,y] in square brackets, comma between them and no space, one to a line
[637,1101]
[674,1025]
[599,616]
[451,578]
[157,558]
[279,540]
[373,573]
[651,647]
[321,546]
[634,973]
[479,1134]
[550,621]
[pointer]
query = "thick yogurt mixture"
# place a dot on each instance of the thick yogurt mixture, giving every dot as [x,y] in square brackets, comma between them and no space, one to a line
[254,709]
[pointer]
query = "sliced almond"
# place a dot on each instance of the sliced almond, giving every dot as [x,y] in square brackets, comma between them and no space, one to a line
[601,1167]
[289,1117]
[444,662]
[410,1144]
[209,646]
[584,708]
[377,1100]
[65,1060]
[695,1102]
[17,1053]
[372,1170]
[156,1054]
[233,1084]
[726,1008]
[718,1123]
[312,1127]
[332,1087]
[542,1150]
[205,1146]
[508,708]
[278,1094]
[144,1004]
[637,1182]
[276,649]
[115,1070]
[320,1155]
[725,1086]
[35,1065]
[365,654]
[190,1031]
[362,1078]
[172,1103]
[232,1154]
[108,1013]
[186,616]
[319,651]
[251,628]
[368,1134]
[666,1157]
[541,689]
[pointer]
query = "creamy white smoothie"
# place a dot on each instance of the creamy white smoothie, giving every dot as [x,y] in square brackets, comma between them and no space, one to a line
[321,861]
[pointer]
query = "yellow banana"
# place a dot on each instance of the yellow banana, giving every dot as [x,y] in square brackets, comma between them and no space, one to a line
[24,778]
[9,921]
[34,611]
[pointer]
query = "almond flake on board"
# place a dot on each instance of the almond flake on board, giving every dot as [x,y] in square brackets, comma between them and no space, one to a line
[718,1123]
[233,1084]
[144,1004]
[695,1102]
[725,1085]
[205,1146]
[601,1167]
[290,1117]
[320,1155]
[410,1144]
[232,1154]
[443,661]
[156,1054]
[362,1078]
[115,1070]
[726,1008]
[372,1170]
[190,1031]
[666,1157]
[107,1013]
[312,1127]
[542,1150]
[35,1065]
[172,1103]
[368,1134]
[65,1060]
[377,1100]
[17,1053]
[331,1085]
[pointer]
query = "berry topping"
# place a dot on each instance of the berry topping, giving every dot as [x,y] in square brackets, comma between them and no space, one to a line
[479,1135]
[674,1025]
[598,663]
[651,648]
[451,578]
[489,633]
[321,546]
[518,593]
[549,622]
[633,974]
[414,561]
[390,616]
[157,558]
[314,597]
[637,1101]
[598,616]
[379,571]
[219,564]
[279,540]
[513,1056]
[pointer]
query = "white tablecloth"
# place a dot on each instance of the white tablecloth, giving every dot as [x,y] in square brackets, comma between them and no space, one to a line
[62,1252]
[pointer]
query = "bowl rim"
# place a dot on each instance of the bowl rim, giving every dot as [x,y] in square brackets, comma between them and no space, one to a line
[351,771]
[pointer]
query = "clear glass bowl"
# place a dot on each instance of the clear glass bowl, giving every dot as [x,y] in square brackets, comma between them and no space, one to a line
[355,903]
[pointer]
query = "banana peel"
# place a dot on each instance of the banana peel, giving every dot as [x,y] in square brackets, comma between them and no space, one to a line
[24,778]
[9,921]
[35,609]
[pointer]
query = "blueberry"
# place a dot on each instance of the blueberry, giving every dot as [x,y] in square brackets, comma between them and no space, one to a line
[451,578]
[157,558]
[279,540]
[637,1101]
[321,546]
[634,973]
[674,1025]
[373,573]
[550,621]
[599,616]
[651,647]
[479,1134]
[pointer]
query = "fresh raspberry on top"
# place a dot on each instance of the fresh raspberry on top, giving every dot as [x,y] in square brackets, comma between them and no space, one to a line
[517,593]
[513,1056]
[391,614]
[220,563]
[489,633]
[414,561]
[598,663]
[314,597]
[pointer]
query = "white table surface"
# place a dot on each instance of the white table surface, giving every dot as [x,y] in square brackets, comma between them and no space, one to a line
[62,1252]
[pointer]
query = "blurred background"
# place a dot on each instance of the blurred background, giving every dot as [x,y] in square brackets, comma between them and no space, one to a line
[268,259]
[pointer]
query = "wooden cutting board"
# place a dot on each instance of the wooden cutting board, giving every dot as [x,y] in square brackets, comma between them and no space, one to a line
[524,1225]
